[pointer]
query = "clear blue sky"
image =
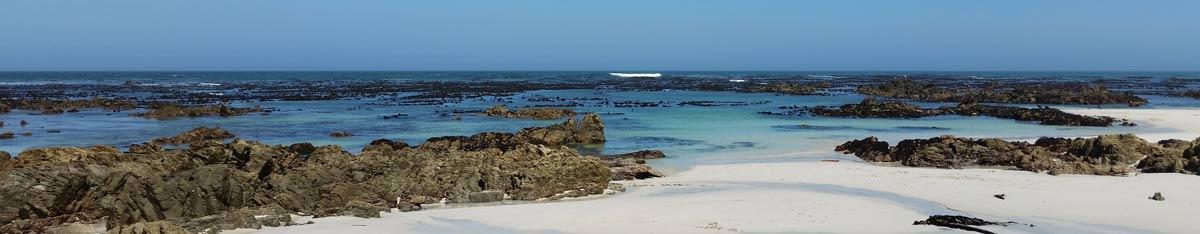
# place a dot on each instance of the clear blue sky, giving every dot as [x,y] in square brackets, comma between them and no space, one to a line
[599,35]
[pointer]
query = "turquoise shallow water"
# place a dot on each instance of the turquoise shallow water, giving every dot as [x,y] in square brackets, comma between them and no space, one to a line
[690,135]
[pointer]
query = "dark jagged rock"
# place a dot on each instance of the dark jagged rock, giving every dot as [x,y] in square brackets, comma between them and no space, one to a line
[1103,155]
[7,135]
[1157,197]
[212,185]
[589,130]
[625,170]
[167,111]
[957,222]
[870,149]
[787,88]
[1179,157]
[1073,94]
[871,108]
[195,135]
[529,113]
[1175,144]
[1044,115]
[631,166]
[341,134]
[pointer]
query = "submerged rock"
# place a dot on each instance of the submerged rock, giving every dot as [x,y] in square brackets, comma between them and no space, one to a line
[643,154]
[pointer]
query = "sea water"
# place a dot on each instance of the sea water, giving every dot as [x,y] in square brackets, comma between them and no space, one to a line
[689,135]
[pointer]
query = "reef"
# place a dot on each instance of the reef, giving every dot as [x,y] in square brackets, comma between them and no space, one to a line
[811,88]
[871,108]
[214,184]
[167,111]
[1103,155]
[1051,93]
[59,106]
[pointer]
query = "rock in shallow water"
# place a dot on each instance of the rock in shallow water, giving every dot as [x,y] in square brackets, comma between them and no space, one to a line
[210,183]
[528,113]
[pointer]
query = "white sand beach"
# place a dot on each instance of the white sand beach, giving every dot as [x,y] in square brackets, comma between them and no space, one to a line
[841,196]
[1181,123]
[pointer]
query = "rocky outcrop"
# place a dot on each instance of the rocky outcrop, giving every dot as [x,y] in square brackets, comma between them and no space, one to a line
[589,130]
[52,106]
[542,113]
[1043,115]
[1103,155]
[1070,94]
[869,149]
[213,185]
[632,166]
[788,88]
[1183,157]
[167,111]
[195,135]
[871,108]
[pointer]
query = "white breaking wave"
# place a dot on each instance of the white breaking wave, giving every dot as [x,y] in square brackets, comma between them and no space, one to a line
[633,75]
[208,84]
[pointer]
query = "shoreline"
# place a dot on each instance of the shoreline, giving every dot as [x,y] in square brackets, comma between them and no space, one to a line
[820,197]
[844,196]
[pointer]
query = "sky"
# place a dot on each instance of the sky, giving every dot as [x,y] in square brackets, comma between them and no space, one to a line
[644,35]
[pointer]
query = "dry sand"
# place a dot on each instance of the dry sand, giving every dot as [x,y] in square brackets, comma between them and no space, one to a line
[837,197]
